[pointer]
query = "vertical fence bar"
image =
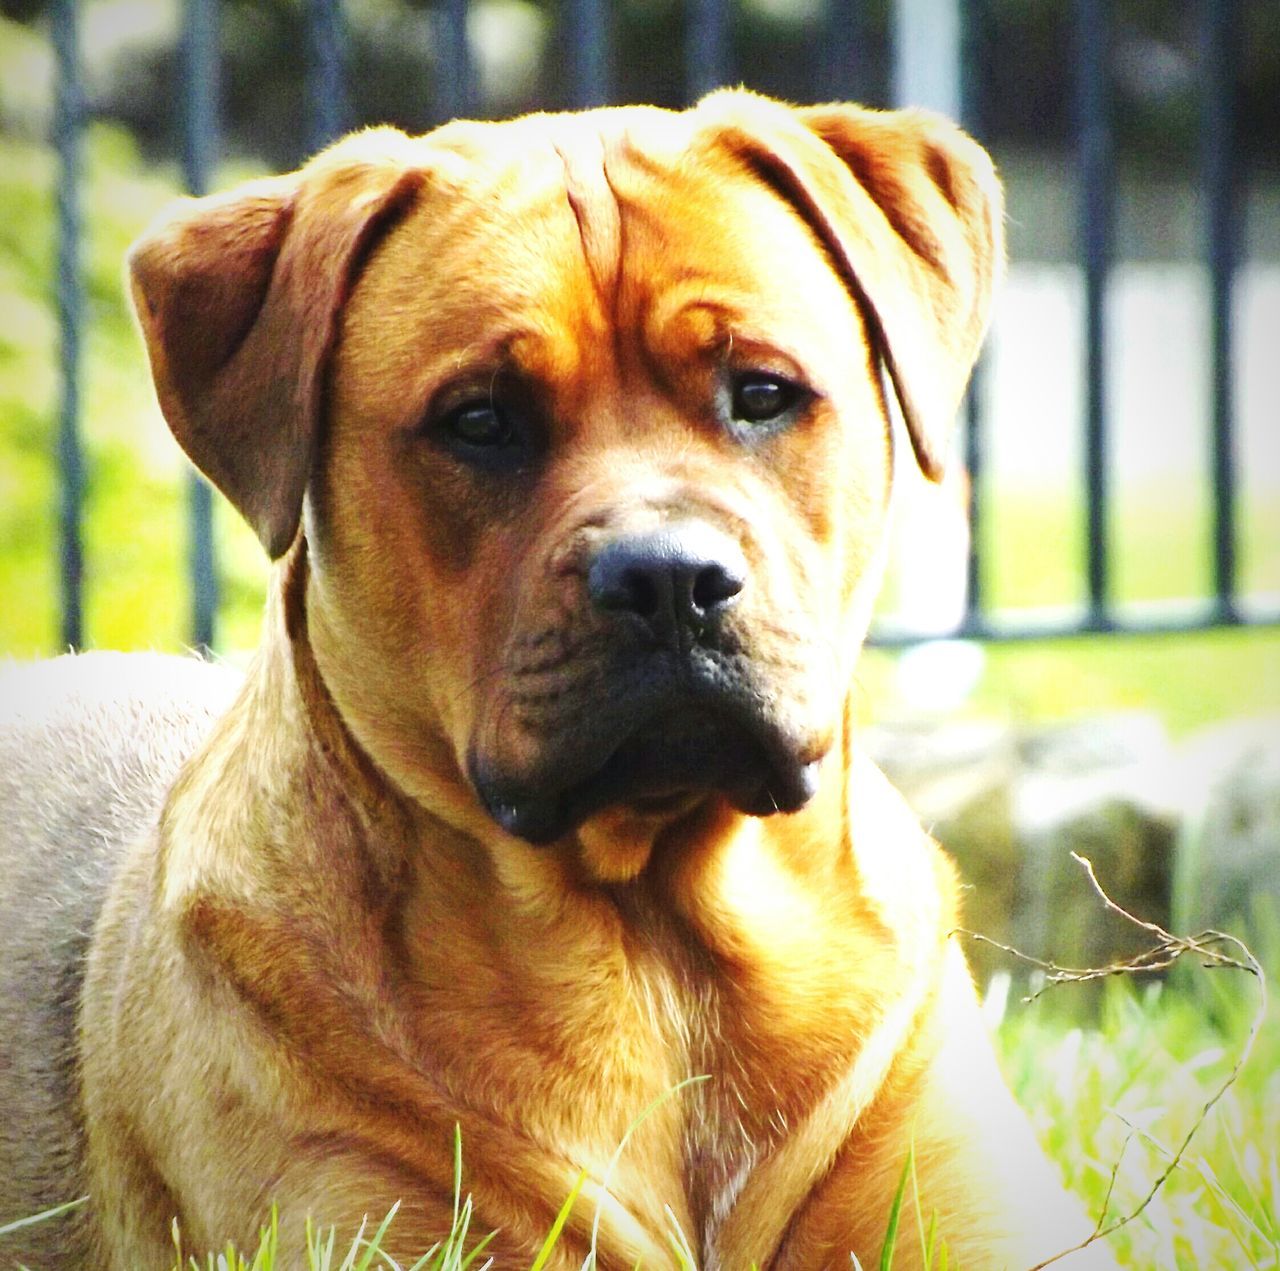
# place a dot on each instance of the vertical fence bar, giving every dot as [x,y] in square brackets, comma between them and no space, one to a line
[706,46]
[199,149]
[1219,44]
[68,127]
[973,52]
[974,436]
[842,57]
[588,37]
[1095,241]
[455,73]
[328,111]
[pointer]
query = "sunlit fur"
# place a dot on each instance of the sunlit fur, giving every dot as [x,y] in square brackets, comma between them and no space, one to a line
[327,955]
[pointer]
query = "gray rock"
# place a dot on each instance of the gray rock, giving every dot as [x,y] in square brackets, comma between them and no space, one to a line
[1011,806]
[1104,789]
[959,777]
[1229,847]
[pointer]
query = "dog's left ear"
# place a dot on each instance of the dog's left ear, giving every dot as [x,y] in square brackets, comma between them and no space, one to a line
[239,295]
[910,209]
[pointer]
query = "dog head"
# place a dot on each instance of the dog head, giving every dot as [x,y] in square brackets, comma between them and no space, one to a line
[583,423]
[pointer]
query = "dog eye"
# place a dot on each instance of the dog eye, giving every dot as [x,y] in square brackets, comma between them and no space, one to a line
[759,397]
[479,423]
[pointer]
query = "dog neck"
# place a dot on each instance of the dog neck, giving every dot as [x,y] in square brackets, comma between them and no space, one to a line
[733,937]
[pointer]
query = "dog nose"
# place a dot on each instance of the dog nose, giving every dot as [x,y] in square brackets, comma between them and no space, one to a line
[678,578]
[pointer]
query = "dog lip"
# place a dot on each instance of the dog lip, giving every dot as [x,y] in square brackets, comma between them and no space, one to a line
[670,756]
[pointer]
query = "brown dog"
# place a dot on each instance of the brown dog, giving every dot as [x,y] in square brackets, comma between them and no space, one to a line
[542,795]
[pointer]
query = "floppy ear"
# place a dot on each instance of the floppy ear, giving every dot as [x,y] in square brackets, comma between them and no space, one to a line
[910,210]
[238,297]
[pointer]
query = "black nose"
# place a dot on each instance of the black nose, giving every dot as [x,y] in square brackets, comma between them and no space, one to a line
[678,579]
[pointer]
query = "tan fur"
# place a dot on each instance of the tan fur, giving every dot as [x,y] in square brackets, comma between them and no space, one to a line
[327,955]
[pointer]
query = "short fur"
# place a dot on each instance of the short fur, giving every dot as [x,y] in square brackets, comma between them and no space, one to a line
[344,918]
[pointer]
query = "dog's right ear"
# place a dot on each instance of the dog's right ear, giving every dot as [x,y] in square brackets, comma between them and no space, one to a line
[910,212]
[238,296]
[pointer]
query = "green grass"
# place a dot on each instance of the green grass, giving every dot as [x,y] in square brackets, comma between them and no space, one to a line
[1130,1089]
[1189,680]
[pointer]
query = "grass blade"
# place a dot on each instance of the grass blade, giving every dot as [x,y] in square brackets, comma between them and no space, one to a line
[481,1245]
[558,1226]
[895,1213]
[931,1241]
[667,1094]
[373,1248]
[457,1170]
[45,1216]
[679,1242]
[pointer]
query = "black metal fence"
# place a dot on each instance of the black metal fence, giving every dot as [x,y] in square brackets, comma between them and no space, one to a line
[585,30]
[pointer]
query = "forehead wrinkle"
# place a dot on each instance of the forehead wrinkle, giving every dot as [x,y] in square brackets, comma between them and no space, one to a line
[594,206]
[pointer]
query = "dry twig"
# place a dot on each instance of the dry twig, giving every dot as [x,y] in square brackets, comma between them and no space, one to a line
[1209,946]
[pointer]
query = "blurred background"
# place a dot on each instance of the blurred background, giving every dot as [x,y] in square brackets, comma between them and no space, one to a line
[1079,640]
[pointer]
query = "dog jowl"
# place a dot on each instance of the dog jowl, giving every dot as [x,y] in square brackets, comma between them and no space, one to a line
[570,437]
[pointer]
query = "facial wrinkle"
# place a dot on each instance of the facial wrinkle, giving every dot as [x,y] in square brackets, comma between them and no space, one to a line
[593,203]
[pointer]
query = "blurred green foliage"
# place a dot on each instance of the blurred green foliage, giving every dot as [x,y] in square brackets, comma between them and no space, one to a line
[134,520]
